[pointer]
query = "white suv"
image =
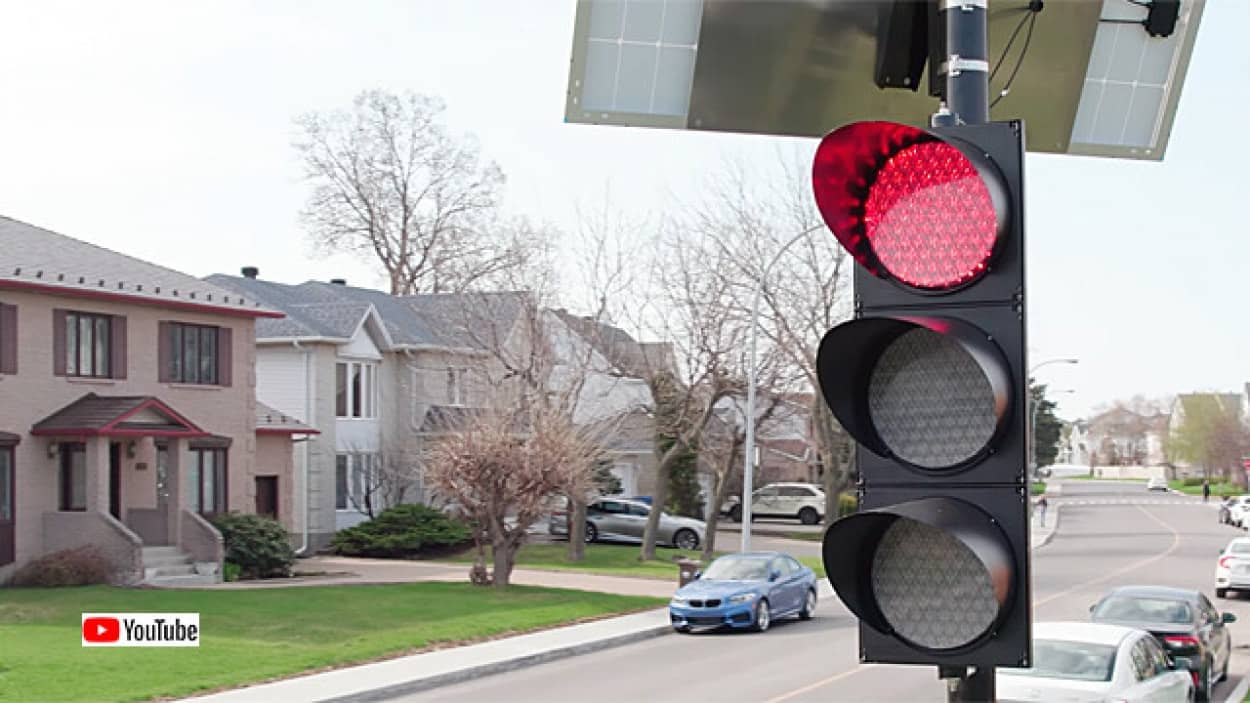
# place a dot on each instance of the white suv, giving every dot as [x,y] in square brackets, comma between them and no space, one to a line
[802,501]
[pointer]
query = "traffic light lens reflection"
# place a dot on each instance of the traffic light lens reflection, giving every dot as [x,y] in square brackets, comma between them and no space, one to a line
[930,588]
[930,217]
[930,401]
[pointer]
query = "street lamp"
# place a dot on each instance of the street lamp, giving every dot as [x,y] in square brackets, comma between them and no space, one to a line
[1033,413]
[748,449]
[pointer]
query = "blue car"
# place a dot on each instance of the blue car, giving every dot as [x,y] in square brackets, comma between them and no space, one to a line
[745,591]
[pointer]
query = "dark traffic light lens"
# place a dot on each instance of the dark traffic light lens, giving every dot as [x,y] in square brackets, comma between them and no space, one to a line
[930,218]
[930,401]
[931,588]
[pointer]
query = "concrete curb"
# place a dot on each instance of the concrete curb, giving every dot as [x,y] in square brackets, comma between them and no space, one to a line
[1239,692]
[467,674]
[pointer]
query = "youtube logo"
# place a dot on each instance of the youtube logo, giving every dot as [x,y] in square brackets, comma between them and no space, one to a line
[98,630]
[140,629]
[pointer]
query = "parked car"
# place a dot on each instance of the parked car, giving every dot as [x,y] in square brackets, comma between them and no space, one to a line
[1237,511]
[745,591]
[621,520]
[1183,621]
[1083,661]
[1157,484]
[1232,570]
[803,501]
[1225,515]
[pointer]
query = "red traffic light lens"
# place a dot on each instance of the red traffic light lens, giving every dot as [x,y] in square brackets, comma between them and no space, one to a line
[908,205]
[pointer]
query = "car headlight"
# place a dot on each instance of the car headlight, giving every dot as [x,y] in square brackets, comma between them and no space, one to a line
[678,600]
[742,598]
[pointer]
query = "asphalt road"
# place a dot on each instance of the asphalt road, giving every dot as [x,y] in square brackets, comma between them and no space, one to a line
[1110,534]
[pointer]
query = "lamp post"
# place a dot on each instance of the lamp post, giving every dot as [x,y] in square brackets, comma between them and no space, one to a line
[748,449]
[1033,412]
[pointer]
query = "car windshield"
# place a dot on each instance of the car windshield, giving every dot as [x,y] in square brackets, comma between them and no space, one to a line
[1163,610]
[737,569]
[1060,659]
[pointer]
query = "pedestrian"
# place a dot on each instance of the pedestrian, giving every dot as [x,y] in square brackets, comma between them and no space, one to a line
[1041,509]
[1206,490]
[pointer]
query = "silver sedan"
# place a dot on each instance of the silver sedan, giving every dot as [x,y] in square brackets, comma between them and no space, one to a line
[616,519]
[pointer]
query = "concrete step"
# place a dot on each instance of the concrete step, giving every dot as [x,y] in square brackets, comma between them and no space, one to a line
[161,549]
[150,562]
[167,571]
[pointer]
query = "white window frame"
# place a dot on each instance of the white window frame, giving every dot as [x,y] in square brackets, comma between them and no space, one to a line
[359,465]
[369,381]
[456,389]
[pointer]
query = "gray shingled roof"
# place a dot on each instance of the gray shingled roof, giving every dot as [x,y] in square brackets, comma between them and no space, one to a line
[95,412]
[33,256]
[329,310]
[270,420]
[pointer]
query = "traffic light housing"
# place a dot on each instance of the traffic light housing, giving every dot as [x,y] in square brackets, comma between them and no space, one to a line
[929,379]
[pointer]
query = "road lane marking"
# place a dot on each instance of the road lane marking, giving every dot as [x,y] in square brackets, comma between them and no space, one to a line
[823,682]
[1176,542]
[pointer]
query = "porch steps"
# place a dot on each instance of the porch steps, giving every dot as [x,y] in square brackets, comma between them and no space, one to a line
[167,566]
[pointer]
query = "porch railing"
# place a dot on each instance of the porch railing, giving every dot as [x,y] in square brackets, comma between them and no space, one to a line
[202,542]
[120,545]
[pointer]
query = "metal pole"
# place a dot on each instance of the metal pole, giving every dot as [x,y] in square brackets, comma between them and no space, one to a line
[748,449]
[967,70]
[967,65]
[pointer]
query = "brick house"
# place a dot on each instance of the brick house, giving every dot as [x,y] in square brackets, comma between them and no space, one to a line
[127,410]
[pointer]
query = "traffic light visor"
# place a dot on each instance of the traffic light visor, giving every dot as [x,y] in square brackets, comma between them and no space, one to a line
[935,572]
[909,205]
[931,392]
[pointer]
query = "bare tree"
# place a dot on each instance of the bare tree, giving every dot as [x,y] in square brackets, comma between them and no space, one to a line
[392,185]
[502,469]
[752,216]
[379,480]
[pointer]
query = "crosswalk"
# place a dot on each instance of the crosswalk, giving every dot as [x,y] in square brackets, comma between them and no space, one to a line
[1137,501]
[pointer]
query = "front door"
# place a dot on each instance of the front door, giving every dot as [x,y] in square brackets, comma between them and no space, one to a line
[8,506]
[115,480]
[267,496]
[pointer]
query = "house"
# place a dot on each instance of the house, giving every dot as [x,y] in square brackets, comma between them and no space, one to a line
[1121,437]
[127,410]
[382,375]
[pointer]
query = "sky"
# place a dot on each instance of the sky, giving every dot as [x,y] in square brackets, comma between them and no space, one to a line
[163,130]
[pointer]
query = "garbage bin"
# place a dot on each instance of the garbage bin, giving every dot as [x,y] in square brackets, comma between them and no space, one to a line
[686,571]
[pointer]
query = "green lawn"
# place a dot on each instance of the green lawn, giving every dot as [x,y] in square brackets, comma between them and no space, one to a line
[1217,489]
[253,635]
[1039,487]
[1087,477]
[609,559]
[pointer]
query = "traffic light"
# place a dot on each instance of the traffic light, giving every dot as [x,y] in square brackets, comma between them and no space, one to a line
[929,379]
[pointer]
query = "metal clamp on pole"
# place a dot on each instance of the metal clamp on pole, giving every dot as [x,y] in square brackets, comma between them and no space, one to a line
[967,60]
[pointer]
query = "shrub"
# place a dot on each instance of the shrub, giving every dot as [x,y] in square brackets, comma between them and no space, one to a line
[848,503]
[230,571]
[258,545]
[408,530]
[1191,481]
[81,566]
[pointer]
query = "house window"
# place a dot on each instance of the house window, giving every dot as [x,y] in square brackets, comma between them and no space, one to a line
[6,484]
[87,345]
[207,484]
[356,389]
[356,481]
[73,488]
[194,354]
[455,386]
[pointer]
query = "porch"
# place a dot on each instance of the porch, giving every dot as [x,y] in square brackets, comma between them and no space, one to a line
[135,478]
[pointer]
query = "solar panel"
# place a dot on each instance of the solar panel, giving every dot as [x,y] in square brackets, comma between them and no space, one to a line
[1092,83]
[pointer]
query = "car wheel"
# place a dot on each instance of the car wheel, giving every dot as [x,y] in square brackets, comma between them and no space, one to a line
[809,606]
[735,513]
[1224,671]
[763,616]
[808,516]
[683,629]
[592,532]
[1221,593]
[686,539]
[1205,677]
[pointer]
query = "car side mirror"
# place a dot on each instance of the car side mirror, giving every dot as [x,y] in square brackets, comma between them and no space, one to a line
[1227,618]
[698,575]
[1183,664]
[1091,608]
[774,575]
